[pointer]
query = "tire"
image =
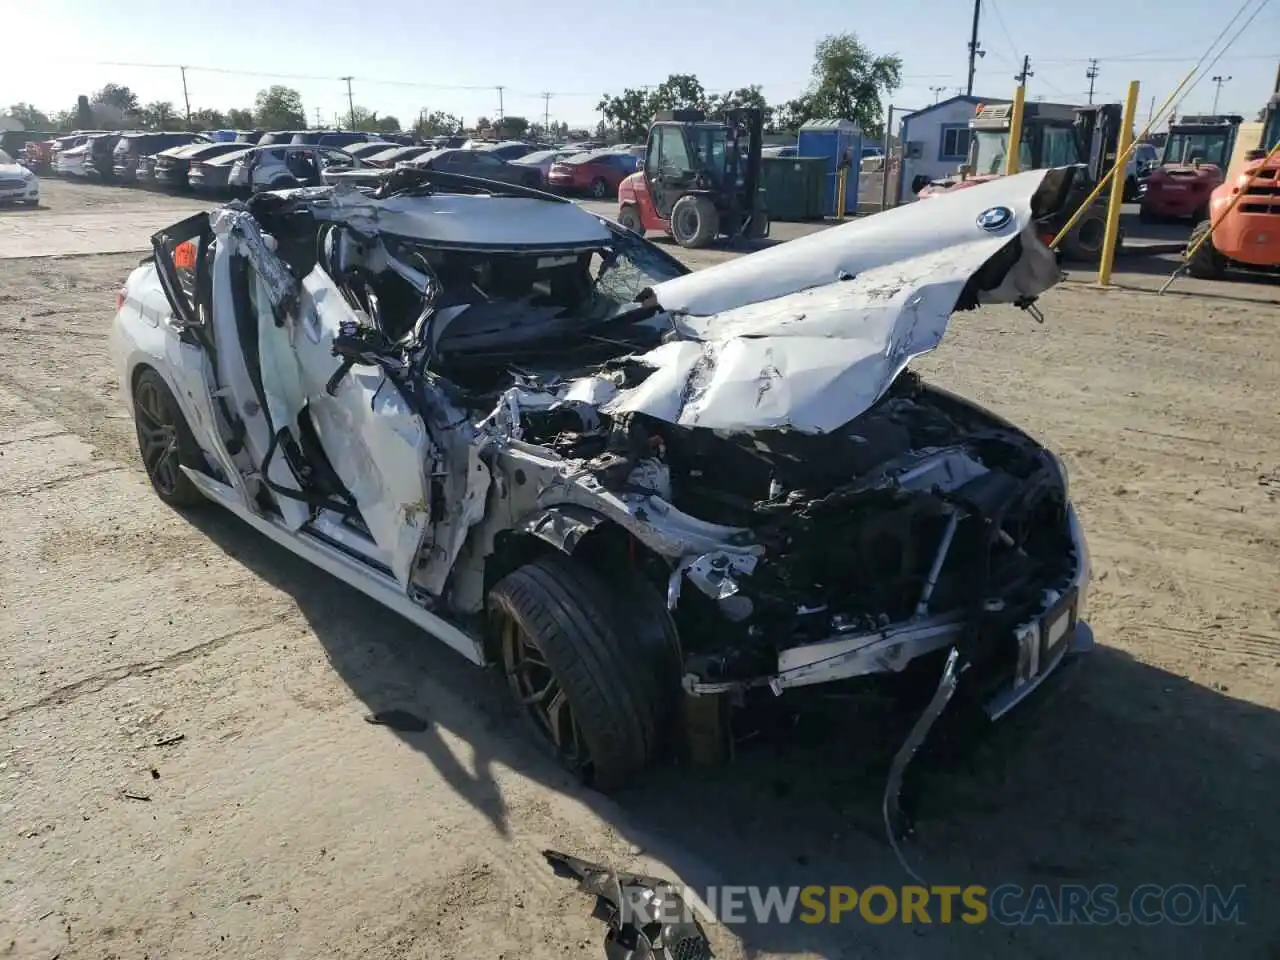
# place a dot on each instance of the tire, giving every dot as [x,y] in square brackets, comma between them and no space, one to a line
[694,221]
[629,217]
[599,188]
[566,634]
[1084,242]
[1145,215]
[1131,191]
[1207,263]
[1201,214]
[165,442]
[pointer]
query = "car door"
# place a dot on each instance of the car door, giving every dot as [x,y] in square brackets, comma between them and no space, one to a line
[667,168]
[489,167]
[184,255]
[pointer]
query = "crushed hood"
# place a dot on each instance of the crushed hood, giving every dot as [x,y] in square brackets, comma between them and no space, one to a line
[808,334]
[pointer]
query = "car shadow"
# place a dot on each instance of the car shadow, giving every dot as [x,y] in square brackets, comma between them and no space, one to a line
[1121,773]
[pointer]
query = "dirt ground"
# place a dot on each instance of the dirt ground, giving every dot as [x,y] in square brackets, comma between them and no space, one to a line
[281,824]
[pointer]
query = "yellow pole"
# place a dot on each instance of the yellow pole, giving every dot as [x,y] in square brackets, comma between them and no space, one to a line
[1117,192]
[1015,130]
[842,180]
[1121,160]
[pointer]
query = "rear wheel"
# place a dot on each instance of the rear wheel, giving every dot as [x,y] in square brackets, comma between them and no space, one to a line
[581,662]
[165,441]
[694,221]
[1206,263]
[629,217]
[599,188]
[1131,191]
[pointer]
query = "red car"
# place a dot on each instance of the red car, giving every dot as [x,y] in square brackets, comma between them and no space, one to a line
[597,174]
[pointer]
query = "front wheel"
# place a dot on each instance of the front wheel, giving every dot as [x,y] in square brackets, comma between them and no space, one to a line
[165,441]
[1206,263]
[599,188]
[629,217]
[573,652]
[694,221]
[1084,242]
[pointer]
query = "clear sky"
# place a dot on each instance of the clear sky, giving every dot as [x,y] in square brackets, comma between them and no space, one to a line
[409,54]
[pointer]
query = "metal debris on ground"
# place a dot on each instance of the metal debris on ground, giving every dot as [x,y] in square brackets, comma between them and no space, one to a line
[647,917]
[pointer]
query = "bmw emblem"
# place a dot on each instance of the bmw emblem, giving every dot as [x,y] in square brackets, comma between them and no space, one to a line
[994,218]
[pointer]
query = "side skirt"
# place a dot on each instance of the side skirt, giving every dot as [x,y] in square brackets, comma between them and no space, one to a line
[381,587]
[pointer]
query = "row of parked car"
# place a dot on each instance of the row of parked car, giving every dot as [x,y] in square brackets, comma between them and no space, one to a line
[242,162]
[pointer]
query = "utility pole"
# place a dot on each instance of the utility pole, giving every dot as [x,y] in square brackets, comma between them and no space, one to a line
[1092,74]
[186,99]
[1026,72]
[351,103]
[937,92]
[975,48]
[501,114]
[546,112]
[318,123]
[1218,82]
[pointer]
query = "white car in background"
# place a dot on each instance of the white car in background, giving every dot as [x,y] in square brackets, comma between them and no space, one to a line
[17,183]
[285,166]
[74,162]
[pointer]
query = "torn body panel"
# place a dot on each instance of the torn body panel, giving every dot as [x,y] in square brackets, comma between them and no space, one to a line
[415,381]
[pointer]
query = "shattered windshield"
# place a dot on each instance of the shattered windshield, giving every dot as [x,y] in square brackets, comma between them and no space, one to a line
[990,152]
[511,303]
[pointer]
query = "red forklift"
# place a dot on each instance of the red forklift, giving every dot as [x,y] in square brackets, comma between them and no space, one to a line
[1194,163]
[699,180]
[1053,135]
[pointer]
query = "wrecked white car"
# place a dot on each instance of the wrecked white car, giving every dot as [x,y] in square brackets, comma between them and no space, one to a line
[542,439]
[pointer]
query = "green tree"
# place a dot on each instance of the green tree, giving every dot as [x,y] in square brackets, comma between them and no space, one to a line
[240,119]
[84,114]
[512,128]
[752,96]
[157,116]
[628,113]
[680,91]
[279,108]
[387,124]
[208,119]
[850,83]
[30,117]
[482,123]
[118,96]
[434,123]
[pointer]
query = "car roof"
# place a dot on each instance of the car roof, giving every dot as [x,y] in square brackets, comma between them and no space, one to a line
[470,220]
[231,156]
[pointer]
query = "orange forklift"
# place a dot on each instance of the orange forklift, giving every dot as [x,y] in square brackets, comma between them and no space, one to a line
[1245,236]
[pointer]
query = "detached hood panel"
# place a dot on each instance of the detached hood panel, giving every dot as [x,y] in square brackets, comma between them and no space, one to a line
[809,334]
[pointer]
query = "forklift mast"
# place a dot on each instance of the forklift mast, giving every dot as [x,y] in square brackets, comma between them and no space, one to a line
[742,155]
[1098,132]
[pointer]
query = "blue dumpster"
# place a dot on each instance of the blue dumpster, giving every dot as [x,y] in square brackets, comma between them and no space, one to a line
[831,140]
